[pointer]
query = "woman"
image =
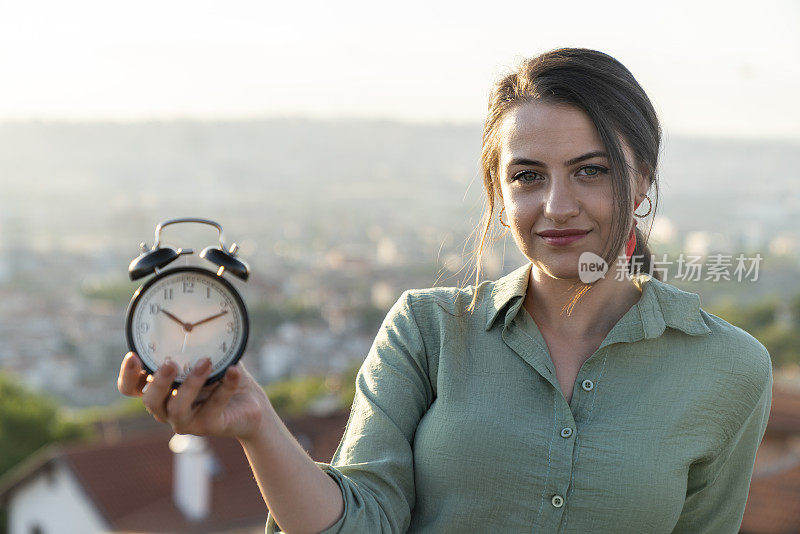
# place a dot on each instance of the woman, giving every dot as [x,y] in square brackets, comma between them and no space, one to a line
[542,401]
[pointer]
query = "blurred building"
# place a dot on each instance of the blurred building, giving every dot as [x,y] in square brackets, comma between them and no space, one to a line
[773,506]
[147,480]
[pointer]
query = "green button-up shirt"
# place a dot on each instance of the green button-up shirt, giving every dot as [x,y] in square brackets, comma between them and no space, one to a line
[460,425]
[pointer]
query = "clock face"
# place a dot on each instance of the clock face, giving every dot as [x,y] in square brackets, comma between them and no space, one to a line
[184,315]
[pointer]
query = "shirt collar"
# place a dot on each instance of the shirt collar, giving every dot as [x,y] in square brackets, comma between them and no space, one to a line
[661,305]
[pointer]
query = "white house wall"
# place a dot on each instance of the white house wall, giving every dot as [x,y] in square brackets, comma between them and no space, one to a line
[56,504]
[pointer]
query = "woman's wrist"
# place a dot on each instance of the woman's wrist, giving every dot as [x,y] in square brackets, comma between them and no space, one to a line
[266,425]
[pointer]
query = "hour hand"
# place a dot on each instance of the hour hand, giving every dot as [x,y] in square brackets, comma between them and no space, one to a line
[185,326]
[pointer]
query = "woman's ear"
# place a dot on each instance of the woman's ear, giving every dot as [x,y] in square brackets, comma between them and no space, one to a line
[643,181]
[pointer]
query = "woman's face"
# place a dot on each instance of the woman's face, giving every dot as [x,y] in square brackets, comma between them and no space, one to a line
[554,175]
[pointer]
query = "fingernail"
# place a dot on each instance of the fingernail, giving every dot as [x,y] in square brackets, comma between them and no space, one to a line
[202,366]
[170,368]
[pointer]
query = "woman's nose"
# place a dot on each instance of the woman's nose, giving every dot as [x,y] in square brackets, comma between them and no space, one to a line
[561,202]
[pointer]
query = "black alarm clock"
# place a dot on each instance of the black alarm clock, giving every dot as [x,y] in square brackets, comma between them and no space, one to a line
[184,314]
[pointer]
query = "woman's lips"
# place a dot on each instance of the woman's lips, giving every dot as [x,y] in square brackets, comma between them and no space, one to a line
[564,240]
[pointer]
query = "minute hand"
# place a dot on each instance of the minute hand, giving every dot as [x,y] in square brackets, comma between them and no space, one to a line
[207,319]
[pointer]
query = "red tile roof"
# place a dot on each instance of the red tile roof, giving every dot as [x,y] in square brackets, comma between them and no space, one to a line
[131,485]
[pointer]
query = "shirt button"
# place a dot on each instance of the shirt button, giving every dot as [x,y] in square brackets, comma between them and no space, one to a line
[557,500]
[566,432]
[587,385]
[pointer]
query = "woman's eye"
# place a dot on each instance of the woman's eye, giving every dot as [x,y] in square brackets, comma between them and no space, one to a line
[526,176]
[593,170]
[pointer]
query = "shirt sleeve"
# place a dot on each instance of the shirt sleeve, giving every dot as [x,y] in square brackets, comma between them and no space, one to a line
[373,464]
[717,488]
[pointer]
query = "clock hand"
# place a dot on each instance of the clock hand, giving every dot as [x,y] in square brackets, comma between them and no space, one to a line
[185,326]
[185,339]
[207,319]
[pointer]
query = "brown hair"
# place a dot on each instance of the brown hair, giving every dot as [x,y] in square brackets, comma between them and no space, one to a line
[608,93]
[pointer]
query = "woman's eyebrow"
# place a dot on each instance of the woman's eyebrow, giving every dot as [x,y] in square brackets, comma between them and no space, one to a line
[568,163]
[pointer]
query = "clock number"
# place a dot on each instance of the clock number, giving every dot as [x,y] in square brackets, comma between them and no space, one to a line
[188,287]
[224,346]
[151,346]
[208,292]
[154,308]
[224,304]
[230,328]
[144,327]
[168,293]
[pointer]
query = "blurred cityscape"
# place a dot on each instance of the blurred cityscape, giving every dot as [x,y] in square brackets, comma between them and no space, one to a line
[335,217]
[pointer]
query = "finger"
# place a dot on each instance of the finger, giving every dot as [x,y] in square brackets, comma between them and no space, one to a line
[132,376]
[205,393]
[158,391]
[219,399]
[179,407]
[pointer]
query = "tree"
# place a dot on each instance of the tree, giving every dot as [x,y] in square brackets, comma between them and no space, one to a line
[29,421]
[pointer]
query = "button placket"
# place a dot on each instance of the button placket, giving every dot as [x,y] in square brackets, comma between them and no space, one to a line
[559,469]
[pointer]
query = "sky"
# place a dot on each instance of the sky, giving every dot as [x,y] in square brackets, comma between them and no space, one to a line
[728,68]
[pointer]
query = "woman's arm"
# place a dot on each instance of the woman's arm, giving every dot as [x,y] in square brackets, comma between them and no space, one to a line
[374,462]
[300,496]
[718,487]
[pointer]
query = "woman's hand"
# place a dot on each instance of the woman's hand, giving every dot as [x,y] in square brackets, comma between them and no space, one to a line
[236,406]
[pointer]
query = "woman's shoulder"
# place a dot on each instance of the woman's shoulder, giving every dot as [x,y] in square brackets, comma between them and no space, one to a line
[722,366]
[725,351]
[738,378]
[743,353]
